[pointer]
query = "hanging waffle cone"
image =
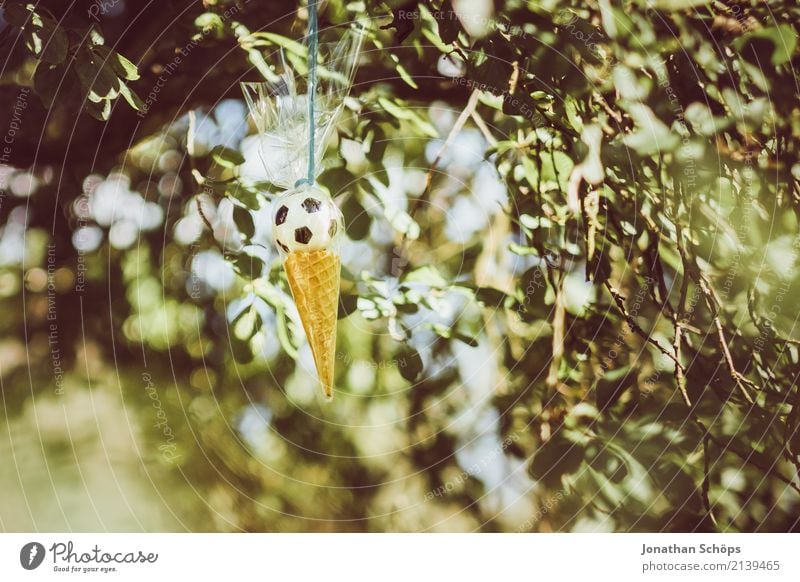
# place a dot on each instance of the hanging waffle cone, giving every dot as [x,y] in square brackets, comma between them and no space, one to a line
[314,281]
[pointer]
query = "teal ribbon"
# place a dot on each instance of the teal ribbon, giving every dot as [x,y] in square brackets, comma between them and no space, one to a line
[313,43]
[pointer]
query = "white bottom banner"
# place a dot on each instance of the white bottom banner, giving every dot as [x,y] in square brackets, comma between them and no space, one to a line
[389,557]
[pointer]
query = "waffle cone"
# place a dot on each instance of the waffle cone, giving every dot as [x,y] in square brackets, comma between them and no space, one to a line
[314,281]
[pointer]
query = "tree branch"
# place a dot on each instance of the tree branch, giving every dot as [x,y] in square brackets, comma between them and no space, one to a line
[456,129]
[738,378]
[620,302]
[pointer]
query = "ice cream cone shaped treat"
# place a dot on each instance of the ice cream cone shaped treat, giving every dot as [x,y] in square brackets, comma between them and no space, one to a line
[294,117]
[306,223]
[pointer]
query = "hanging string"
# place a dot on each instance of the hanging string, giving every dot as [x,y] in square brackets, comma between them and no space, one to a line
[312,89]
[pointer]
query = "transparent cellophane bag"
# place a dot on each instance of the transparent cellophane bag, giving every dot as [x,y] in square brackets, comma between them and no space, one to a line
[279,109]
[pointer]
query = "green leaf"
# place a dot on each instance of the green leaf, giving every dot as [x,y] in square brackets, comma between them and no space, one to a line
[556,458]
[612,386]
[489,67]
[257,60]
[226,157]
[285,335]
[246,196]
[377,144]
[43,36]
[615,21]
[124,68]
[211,22]
[531,172]
[402,112]
[403,307]
[672,5]
[17,14]
[404,74]
[409,363]
[702,120]
[100,110]
[533,290]
[630,85]
[557,167]
[402,222]
[96,76]
[490,297]
[782,37]
[449,24]
[244,221]
[50,81]
[291,46]
[522,251]
[463,337]
[445,332]
[96,37]
[403,21]
[347,305]
[121,66]
[533,222]
[357,219]
[48,41]
[247,324]
[401,70]
[652,136]
[248,266]
[338,180]
[427,275]
[132,98]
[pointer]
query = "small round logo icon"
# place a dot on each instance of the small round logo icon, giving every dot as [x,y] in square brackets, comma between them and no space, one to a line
[31,555]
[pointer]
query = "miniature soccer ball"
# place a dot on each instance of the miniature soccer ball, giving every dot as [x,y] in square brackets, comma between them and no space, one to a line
[307,220]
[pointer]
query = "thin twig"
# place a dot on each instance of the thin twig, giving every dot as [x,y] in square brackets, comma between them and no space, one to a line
[202,214]
[457,127]
[791,429]
[658,291]
[707,480]
[616,115]
[476,117]
[746,457]
[735,375]
[680,376]
[677,344]
[199,178]
[513,80]
[620,302]
[559,315]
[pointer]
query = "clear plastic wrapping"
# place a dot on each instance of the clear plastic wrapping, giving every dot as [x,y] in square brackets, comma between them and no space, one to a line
[280,111]
[306,223]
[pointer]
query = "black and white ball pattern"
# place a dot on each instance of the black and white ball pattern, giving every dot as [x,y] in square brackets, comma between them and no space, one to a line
[307,220]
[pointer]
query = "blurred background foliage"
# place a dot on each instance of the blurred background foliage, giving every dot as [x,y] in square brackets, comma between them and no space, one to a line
[570,285]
